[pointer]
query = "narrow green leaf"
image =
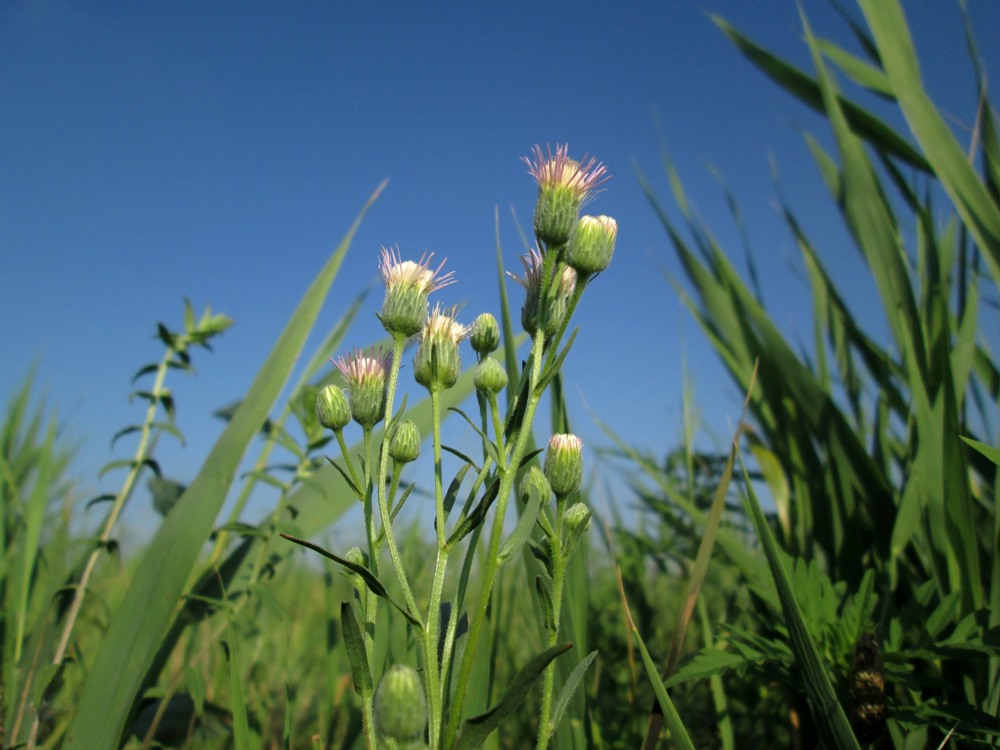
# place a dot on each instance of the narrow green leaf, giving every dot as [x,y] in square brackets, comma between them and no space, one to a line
[978,210]
[808,92]
[569,687]
[831,721]
[476,517]
[478,728]
[355,645]
[370,579]
[677,729]
[525,525]
[241,729]
[989,452]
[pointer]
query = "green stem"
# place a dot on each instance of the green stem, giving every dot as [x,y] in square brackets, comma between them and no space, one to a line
[558,576]
[383,505]
[489,574]
[431,667]
[369,601]
[142,452]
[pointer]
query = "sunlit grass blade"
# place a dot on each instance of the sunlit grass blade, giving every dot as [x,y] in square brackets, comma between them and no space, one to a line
[977,208]
[142,620]
[831,721]
[241,729]
[674,724]
[805,88]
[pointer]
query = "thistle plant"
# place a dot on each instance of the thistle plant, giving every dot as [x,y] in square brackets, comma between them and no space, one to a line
[423,704]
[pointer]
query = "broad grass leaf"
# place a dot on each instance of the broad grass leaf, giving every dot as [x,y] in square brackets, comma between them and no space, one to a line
[141,622]
[977,208]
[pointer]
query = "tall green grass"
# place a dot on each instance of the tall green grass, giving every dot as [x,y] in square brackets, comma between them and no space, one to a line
[859,443]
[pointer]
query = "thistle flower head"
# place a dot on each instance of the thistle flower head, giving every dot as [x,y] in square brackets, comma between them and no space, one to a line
[359,368]
[418,275]
[437,364]
[407,284]
[441,324]
[564,186]
[365,375]
[558,170]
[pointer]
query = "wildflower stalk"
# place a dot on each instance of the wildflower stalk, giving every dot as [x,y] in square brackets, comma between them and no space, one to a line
[558,577]
[508,474]
[398,342]
[435,696]
[142,453]
[370,601]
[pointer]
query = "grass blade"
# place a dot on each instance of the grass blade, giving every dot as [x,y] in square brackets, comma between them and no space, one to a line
[831,721]
[146,613]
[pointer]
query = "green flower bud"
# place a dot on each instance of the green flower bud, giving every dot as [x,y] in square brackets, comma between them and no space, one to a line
[564,464]
[559,303]
[407,284]
[490,377]
[332,408]
[564,185]
[577,517]
[405,444]
[400,709]
[437,364]
[534,268]
[355,556]
[534,479]
[365,376]
[593,244]
[485,334]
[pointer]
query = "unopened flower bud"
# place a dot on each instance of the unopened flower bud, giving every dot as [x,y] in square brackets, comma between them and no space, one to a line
[355,555]
[559,302]
[593,244]
[405,444]
[490,377]
[564,464]
[332,408]
[400,709]
[485,334]
[577,517]
[437,364]
[534,479]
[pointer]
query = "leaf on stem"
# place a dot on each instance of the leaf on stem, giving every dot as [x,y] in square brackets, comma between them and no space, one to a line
[476,517]
[370,579]
[478,728]
[569,688]
[525,525]
[355,645]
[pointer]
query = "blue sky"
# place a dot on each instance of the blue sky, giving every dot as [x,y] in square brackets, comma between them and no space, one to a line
[152,151]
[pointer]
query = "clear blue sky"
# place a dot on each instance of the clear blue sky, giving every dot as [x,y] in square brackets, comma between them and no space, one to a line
[151,151]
